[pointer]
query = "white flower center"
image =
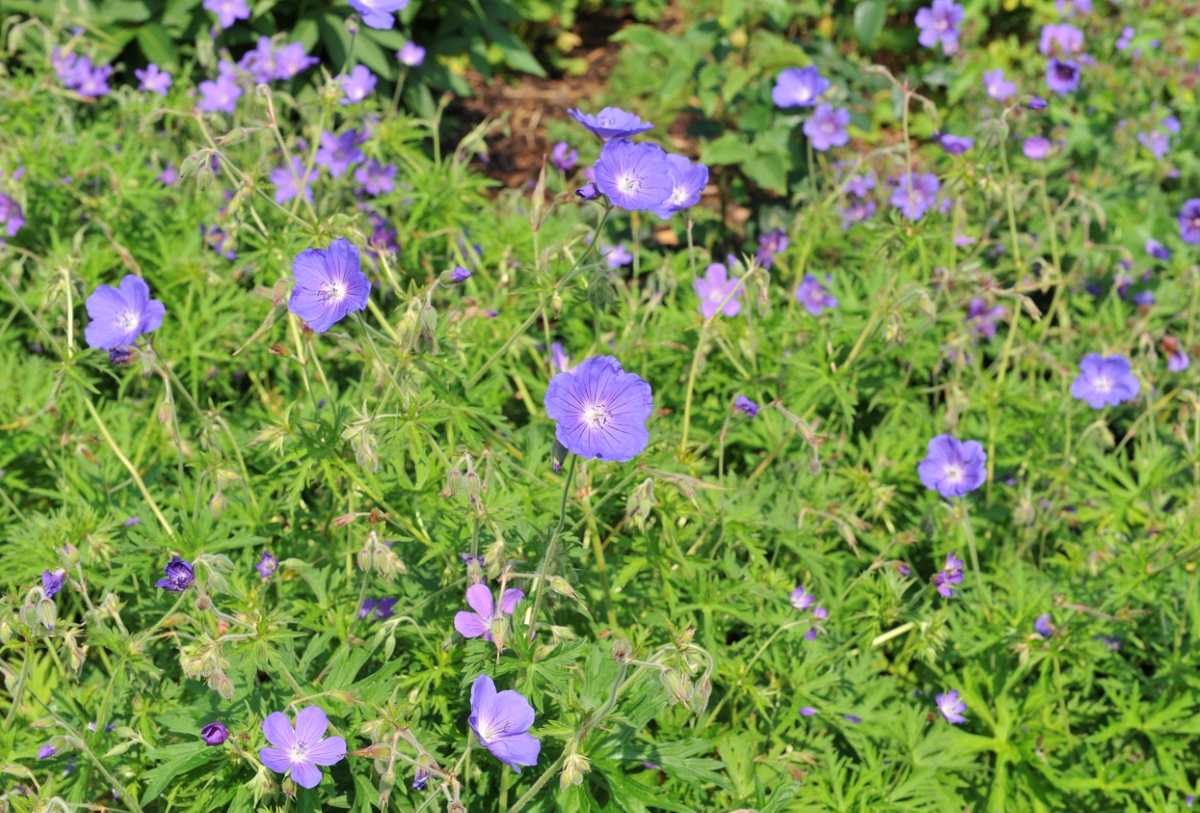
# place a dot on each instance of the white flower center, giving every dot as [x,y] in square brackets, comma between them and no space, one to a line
[297,753]
[678,196]
[629,184]
[941,25]
[595,415]
[803,94]
[128,320]
[1102,383]
[954,473]
[334,292]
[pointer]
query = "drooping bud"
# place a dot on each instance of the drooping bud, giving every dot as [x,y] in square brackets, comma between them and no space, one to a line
[558,455]
[678,686]
[701,694]
[575,766]
[474,486]
[47,613]
[454,484]
[217,504]
[622,650]
[499,630]
[70,554]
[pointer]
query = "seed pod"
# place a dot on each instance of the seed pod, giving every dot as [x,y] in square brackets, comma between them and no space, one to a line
[574,768]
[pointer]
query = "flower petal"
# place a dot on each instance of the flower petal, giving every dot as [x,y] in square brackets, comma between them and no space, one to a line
[311,725]
[278,730]
[470,625]
[306,775]
[479,597]
[329,751]
[510,600]
[275,759]
[516,750]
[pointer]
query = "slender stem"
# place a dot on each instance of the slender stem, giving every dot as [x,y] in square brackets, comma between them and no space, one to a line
[399,85]
[691,246]
[539,784]
[1012,211]
[551,548]
[504,789]
[687,400]
[983,593]
[18,689]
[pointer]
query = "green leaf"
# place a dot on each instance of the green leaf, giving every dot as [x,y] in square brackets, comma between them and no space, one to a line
[516,55]
[157,46]
[768,170]
[634,797]
[869,17]
[157,779]
[370,54]
[728,149]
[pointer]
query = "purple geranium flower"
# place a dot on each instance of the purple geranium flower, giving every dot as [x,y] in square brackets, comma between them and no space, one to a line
[375,178]
[600,410]
[1036,103]
[563,157]
[814,296]
[687,182]
[153,80]
[91,81]
[952,467]
[617,255]
[411,54]
[329,285]
[52,582]
[381,608]
[745,406]
[799,87]
[802,600]
[119,315]
[214,733]
[1189,221]
[1105,381]
[168,176]
[997,86]
[1157,141]
[769,244]
[636,177]
[559,360]
[66,67]
[1042,626]
[479,623]
[218,240]
[286,179]
[1126,38]
[338,153]
[939,23]
[228,11]
[588,191]
[717,292]
[303,748]
[501,721]
[983,319]
[914,194]
[267,564]
[46,751]
[1036,147]
[291,59]
[951,707]
[1144,299]
[611,122]
[260,61]
[1157,250]
[179,576]
[808,711]
[378,13]
[1061,39]
[1062,75]
[358,85]
[1177,360]
[826,127]
[856,212]
[11,215]
[956,145]
[952,573]
[457,275]
[221,95]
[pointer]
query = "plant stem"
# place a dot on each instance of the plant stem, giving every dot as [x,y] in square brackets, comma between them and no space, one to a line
[687,400]
[983,593]
[18,689]
[551,548]
[545,777]
[504,789]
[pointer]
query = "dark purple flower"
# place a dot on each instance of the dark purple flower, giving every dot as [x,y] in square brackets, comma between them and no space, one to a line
[267,564]
[856,212]
[302,749]
[1189,221]
[802,600]
[180,576]
[808,711]
[600,410]
[168,176]
[687,182]
[46,751]
[11,215]
[1036,103]
[826,127]
[563,157]
[378,13]
[914,194]
[153,80]
[814,296]
[588,191]
[458,275]
[214,733]
[717,292]
[951,707]
[745,406]
[997,86]
[119,315]
[358,85]
[329,285]
[1111,642]
[1042,626]
[636,177]
[956,145]
[338,153]
[612,122]
[1062,75]
[1105,381]
[983,319]
[1036,147]
[220,95]
[799,87]
[770,244]
[1157,250]
[501,721]
[1178,361]
[218,240]
[375,178]
[952,573]
[411,54]
[952,467]
[479,622]
[1061,39]
[228,11]
[939,23]
[291,59]
[52,582]
[381,608]
[617,255]
[853,719]
[286,181]
[1144,299]
[420,777]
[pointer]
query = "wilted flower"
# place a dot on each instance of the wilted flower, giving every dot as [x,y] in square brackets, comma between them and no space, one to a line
[612,122]
[799,87]
[1042,625]
[286,181]
[1062,75]
[119,315]
[153,80]
[951,707]
[378,13]
[953,468]
[687,182]
[983,319]
[600,410]
[939,23]
[745,406]
[1105,381]
[826,127]
[221,95]
[228,11]
[214,733]
[633,176]
[52,582]
[411,54]
[329,285]
[814,296]
[358,85]
[376,178]
[501,721]
[717,292]
[179,576]
[997,86]
[914,194]
[952,573]
[563,157]
[267,564]
[1036,147]
[303,748]
[479,622]
[1189,221]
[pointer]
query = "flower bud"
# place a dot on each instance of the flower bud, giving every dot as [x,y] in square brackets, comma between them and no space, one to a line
[499,630]
[622,650]
[474,486]
[700,696]
[677,686]
[589,191]
[217,504]
[28,615]
[561,586]
[203,602]
[558,455]
[47,613]
[6,632]
[70,554]
[364,559]
[220,683]
[454,483]
[429,319]
[367,458]
[352,24]
[204,177]
[556,303]
[455,275]
[378,750]
[573,770]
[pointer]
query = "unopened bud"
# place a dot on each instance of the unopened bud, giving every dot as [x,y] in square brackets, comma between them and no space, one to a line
[454,483]
[556,304]
[499,630]
[6,632]
[220,683]
[558,455]
[474,486]
[70,554]
[364,559]
[367,458]
[701,694]
[573,770]
[379,750]
[47,613]
[203,602]
[561,586]
[677,686]
[622,650]
[217,504]
[165,413]
[352,24]
[429,319]
[204,177]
